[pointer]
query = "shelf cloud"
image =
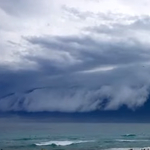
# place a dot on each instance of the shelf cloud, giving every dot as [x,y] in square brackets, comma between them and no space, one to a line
[74,56]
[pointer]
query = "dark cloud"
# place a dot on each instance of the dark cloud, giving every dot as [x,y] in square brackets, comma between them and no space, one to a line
[89,53]
[77,92]
[102,67]
[77,87]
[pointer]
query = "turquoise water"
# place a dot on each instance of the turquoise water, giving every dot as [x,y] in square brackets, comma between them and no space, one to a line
[73,136]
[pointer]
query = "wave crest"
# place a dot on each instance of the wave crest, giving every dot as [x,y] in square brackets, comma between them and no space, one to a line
[129,135]
[60,143]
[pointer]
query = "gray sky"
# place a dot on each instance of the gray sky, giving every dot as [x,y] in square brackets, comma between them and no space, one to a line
[74,55]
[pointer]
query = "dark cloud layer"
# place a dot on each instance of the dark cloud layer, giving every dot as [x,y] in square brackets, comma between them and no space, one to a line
[104,67]
[79,86]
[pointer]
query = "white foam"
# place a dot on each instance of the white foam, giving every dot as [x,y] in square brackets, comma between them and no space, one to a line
[60,143]
[124,140]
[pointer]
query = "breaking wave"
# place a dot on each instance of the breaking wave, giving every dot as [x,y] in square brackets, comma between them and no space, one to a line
[60,143]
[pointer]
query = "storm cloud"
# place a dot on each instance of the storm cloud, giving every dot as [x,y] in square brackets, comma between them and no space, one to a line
[70,57]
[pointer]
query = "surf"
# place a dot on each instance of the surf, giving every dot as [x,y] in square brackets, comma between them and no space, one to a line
[60,143]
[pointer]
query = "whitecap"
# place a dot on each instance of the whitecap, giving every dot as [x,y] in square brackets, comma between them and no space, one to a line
[60,143]
[126,140]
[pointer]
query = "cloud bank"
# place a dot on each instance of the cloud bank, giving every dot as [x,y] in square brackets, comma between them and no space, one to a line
[74,56]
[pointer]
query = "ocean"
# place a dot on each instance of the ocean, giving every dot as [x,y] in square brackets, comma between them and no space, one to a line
[74,136]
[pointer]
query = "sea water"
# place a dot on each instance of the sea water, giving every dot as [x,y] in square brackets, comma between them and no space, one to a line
[74,136]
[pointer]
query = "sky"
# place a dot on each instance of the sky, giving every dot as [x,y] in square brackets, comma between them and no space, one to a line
[74,56]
